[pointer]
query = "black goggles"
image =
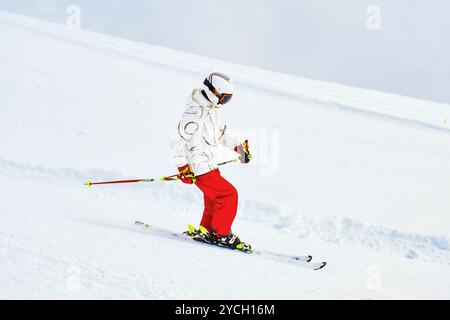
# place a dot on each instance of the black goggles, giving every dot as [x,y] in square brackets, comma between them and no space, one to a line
[223,97]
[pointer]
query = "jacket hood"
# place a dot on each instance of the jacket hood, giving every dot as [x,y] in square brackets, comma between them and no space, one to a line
[198,98]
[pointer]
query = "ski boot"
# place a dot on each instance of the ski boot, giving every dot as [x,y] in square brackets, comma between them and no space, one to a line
[202,234]
[231,241]
[191,231]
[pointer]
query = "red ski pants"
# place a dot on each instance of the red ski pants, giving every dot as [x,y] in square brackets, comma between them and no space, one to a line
[221,200]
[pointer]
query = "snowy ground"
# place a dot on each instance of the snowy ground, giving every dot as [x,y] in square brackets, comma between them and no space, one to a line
[355,177]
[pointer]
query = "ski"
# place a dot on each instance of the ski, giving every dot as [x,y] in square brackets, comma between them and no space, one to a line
[303,261]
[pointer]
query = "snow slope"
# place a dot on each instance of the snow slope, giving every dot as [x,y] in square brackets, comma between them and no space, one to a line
[356,177]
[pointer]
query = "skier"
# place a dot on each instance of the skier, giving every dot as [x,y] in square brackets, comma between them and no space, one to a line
[195,154]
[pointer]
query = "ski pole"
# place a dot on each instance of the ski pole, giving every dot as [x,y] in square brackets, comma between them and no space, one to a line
[229,161]
[163,178]
[173,177]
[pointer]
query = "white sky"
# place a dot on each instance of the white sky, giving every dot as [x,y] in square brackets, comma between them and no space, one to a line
[321,39]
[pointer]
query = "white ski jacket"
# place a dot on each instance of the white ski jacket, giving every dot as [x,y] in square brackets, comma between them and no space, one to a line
[201,132]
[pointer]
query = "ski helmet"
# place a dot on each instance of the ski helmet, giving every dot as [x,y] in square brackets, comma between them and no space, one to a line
[219,88]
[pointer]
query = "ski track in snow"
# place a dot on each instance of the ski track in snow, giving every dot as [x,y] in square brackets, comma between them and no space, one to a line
[60,239]
[41,267]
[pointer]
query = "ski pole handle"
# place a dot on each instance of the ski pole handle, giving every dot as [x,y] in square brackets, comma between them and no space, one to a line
[163,178]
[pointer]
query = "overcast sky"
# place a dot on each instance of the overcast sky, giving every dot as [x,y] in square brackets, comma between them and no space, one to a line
[321,39]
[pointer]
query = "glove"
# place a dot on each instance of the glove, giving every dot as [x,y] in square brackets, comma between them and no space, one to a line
[244,153]
[186,175]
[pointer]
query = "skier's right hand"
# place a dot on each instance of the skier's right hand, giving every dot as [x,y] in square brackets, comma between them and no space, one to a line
[244,152]
[186,175]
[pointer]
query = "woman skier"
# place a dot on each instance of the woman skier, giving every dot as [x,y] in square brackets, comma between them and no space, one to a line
[195,154]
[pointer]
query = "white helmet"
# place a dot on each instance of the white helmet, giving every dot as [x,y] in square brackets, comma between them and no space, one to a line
[218,88]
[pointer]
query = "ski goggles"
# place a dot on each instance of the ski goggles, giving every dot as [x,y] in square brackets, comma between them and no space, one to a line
[223,97]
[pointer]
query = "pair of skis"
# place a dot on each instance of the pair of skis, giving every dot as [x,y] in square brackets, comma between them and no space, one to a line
[303,261]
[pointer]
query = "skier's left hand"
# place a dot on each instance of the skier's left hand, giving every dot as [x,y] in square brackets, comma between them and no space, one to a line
[244,153]
[185,174]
